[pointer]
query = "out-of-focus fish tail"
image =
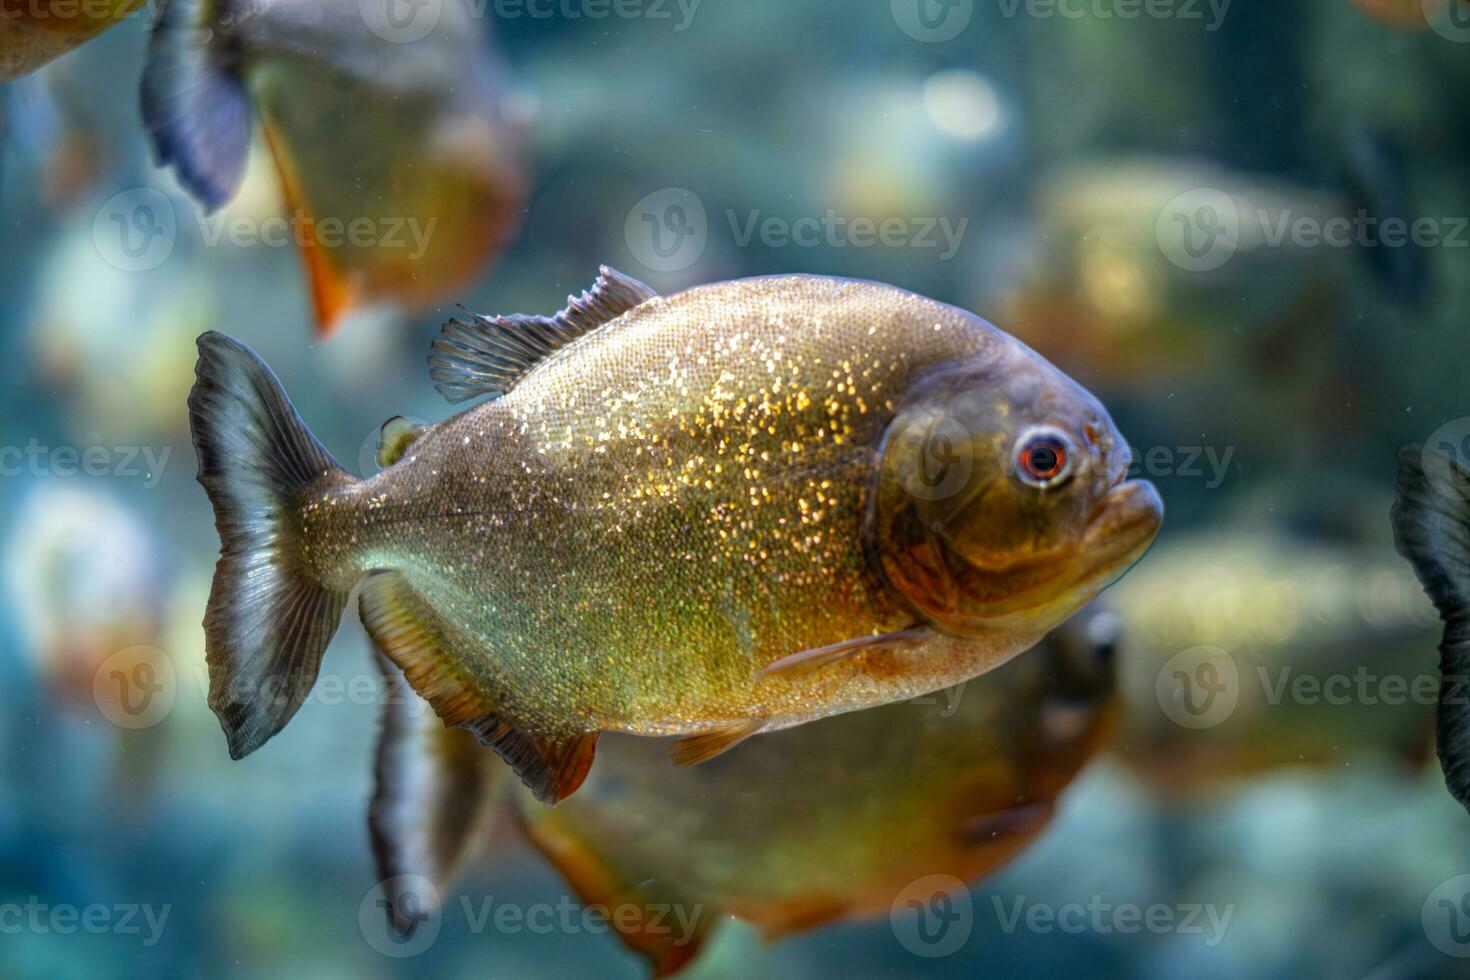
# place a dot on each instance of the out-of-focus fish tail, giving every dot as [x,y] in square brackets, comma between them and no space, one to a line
[432,805]
[195,106]
[269,617]
[1431,528]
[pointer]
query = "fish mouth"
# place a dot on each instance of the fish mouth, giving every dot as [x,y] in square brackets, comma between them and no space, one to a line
[1117,533]
[1120,529]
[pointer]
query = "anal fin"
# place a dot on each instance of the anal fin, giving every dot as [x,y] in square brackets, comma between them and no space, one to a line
[410,633]
[421,644]
[703,746]
[552,767]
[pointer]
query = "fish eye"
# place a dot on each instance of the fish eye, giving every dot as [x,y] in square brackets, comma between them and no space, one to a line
[1045,457]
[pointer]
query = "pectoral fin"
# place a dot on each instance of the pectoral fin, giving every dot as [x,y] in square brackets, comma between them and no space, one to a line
[694,749]
[433,801]
[429,651]
[833,652]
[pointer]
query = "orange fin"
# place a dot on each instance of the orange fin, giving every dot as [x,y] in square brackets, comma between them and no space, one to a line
[694,749]
[675,925]
[833,652]
[332,294]
[551,767]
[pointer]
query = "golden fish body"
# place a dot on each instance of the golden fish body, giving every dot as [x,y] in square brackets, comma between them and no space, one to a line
[633,533]
[646,527]
[395,142]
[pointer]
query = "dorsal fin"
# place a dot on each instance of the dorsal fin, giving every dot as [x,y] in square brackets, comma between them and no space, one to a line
[394,438]
[488,355]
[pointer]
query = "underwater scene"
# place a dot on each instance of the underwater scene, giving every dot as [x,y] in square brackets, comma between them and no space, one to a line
[723,488]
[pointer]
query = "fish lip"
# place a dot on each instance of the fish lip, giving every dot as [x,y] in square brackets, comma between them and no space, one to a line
[1122,526]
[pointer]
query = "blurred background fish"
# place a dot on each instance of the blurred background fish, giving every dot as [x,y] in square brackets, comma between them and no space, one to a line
[33,32]
[397,151]
[1261,648]
[797,830]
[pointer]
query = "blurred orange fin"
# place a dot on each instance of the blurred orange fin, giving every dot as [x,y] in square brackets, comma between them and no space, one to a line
[670,928]
[694,749]
[333,295]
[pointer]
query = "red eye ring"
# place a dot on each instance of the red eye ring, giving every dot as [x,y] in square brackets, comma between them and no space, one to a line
[1044,457]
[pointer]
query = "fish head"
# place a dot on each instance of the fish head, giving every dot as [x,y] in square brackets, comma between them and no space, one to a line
[1001,501]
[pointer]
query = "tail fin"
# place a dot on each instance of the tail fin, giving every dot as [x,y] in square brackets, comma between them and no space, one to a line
[1431,528]
[269,619]
[196,108]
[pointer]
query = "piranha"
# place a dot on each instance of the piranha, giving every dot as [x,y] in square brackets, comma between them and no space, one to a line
[958,784]
[736,509]
[399,161]
[34,32]
[1430,519]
